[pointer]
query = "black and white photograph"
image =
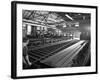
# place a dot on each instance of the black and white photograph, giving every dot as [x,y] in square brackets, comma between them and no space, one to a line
[53,39]
[56,39]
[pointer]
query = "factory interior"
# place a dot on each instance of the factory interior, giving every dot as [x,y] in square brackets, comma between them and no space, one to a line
[56,39]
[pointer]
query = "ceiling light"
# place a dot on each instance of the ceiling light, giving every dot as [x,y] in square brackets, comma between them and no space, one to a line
[79,14]
[77,25]
[69,17]
[64,26]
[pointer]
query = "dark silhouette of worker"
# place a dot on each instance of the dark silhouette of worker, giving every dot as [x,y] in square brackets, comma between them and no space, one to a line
[26,62]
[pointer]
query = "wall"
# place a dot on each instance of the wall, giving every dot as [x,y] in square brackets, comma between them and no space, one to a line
[84,25]
[5,40]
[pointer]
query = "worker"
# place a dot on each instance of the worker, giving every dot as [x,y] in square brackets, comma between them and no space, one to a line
[26,61]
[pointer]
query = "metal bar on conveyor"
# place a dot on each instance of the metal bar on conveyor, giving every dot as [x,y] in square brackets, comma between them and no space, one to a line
[39,57]
[73,55]
[63,57]
[87,56]
[51,44]
[66,57]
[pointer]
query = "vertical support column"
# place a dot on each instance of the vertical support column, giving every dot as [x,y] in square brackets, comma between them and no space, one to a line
[33,31]
[24,27]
